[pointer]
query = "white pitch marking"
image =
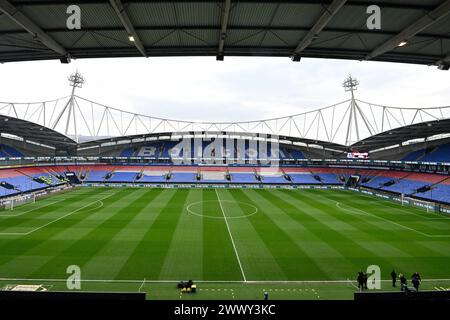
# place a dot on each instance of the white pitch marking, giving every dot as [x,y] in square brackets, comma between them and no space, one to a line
[390,221]
[188,208]
[209,281]
[399,208]
[231,237]
[19,214]
[49,223]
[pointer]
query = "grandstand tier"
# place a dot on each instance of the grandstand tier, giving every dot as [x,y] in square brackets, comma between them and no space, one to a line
[433,187]
[7,151]
[440,153]
[214,149]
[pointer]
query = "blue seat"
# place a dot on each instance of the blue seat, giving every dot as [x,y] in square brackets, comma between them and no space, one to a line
[275,179]
[183,177]
[96,176]
[123,177]
[303,178]
[243,178]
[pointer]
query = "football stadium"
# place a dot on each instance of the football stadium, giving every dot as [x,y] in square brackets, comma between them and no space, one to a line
[97,198]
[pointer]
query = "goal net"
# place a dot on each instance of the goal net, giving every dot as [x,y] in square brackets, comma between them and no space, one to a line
[427,205]
[12,203]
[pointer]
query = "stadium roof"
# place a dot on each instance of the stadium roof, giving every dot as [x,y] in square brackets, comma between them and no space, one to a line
[403,134]
[141,138]
[35,132]
[37,29]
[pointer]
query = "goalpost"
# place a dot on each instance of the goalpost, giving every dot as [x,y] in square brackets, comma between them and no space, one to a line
[429,206]
[10,204]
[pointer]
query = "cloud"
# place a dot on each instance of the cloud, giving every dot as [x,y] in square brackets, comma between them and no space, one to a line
[237,89]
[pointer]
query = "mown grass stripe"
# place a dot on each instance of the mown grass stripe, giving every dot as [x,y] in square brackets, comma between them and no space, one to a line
[376,243]
[255,256]
[108,262]
[295,223]
[291,258]
[148,257]
[184,259]
[54,246]
[219,260]
[96,236]
[18,245]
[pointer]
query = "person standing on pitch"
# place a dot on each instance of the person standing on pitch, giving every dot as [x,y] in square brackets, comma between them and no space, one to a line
[416,281]
[393,277]
[360,280]
[365,278]
[403,282]
[266,295]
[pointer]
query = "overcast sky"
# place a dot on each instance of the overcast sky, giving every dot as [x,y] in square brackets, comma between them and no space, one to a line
[236,89]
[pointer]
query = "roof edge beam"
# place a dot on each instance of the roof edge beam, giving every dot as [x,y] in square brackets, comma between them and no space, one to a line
[223,29]
[424,22]
[25,23]
[321,23]
[118,7]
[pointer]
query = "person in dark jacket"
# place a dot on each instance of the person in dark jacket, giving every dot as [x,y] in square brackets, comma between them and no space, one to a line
[365,277]
[393,277]
[417,275]
[360,280]
[415,280]
[403,282]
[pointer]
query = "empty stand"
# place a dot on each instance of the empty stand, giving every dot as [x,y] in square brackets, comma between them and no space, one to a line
[6,151]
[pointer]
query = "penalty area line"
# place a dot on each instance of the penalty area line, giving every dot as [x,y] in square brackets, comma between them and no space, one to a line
[56,220]
[365,213]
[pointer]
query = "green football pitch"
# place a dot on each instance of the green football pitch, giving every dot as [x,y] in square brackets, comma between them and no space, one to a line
[234,243]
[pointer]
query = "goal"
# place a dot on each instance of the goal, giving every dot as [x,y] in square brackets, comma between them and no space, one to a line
[12,203]
[427,205]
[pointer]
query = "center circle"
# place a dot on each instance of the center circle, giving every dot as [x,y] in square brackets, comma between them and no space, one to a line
[221,207]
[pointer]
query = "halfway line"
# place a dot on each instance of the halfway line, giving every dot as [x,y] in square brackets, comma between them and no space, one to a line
[231,237]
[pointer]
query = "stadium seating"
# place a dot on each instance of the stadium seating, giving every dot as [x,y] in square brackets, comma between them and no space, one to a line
[14,181]
[243,178]
[411,185]
[274,180]
[183,177]
[413,156]
[6,151]
[439,192]
[329,178]
[440,153]
[287,153]
[303,178]
[210,150]
[425,186]
[151,179]
[128,152]
[123,176]
[96,176]
[405,186]
[212,176]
